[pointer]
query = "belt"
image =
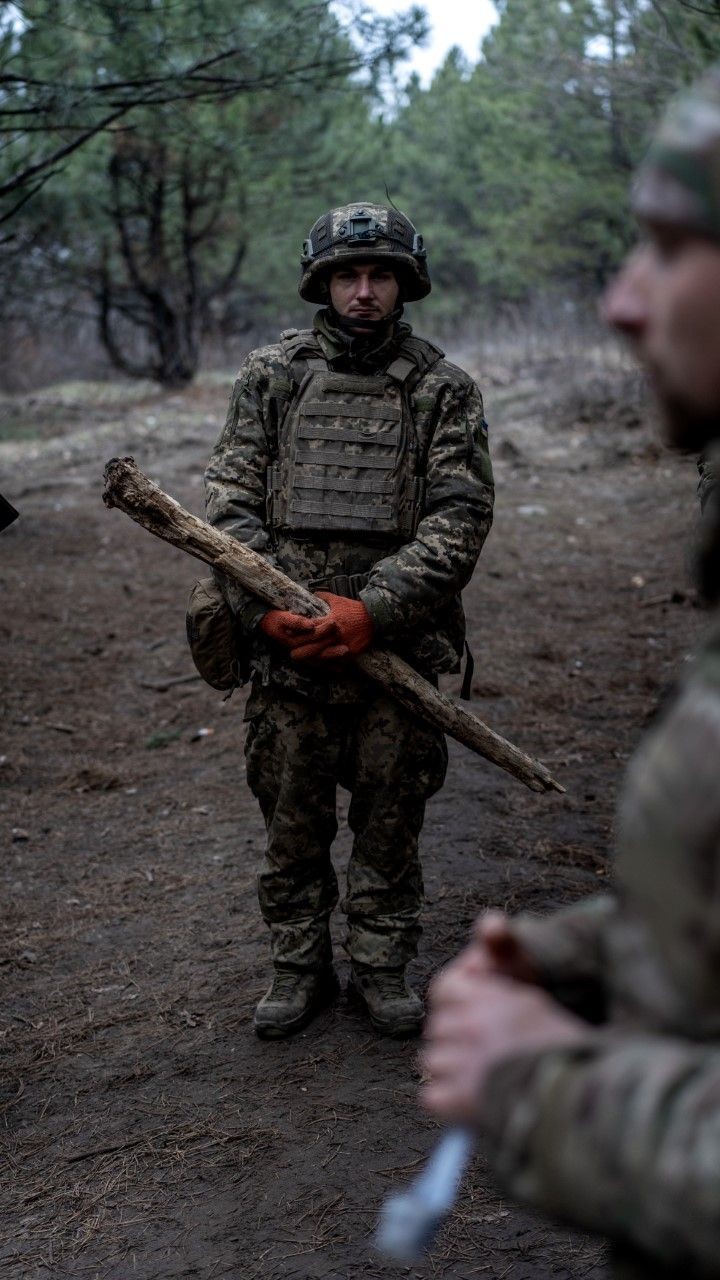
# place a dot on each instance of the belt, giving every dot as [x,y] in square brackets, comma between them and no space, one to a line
[348,585]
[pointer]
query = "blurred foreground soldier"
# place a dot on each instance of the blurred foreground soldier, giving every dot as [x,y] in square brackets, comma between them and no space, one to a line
[355,457]
[618,1128]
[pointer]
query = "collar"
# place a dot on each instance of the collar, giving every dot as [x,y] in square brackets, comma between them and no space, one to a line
[363,351]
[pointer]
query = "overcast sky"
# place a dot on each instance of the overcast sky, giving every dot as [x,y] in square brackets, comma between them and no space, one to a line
[461,22]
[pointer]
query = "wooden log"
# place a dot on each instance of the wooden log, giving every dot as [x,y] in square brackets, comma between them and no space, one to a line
[127,488]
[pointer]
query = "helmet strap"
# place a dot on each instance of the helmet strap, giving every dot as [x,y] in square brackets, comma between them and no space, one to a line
[364,328]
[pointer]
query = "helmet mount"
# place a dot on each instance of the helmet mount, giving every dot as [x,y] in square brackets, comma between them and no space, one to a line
[363,231]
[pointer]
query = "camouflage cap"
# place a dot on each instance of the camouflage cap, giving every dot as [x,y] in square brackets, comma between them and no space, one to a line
[363,231]
[679,179]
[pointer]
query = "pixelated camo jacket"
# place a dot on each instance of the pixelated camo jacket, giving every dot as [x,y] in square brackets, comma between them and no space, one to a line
[413,586]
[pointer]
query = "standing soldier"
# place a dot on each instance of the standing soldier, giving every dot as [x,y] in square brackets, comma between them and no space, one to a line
[618,1129]
[355,458]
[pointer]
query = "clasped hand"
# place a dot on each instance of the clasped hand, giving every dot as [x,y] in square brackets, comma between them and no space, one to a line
[486,1006]
[342,633]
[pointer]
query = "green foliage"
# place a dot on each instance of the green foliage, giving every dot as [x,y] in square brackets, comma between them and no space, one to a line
[70,69]
[192,144]
[171,124]
[518,168]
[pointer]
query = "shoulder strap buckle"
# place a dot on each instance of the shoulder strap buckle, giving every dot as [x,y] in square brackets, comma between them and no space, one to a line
[402,368]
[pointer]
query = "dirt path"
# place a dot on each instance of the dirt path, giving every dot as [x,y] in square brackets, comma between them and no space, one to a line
[146,1132]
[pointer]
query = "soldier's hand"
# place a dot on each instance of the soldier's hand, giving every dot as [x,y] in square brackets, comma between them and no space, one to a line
[475,1022]
[347,630]
[288,629]
[497,948]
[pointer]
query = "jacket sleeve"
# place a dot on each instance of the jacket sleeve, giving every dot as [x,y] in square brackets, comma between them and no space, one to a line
[235,478]
[568,951]
[407,587]
[620,1135]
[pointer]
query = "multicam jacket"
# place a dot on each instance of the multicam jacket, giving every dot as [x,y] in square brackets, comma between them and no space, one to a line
[409,583]
[622,1133]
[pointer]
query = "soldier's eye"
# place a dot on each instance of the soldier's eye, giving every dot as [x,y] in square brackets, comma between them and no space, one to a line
[668,241]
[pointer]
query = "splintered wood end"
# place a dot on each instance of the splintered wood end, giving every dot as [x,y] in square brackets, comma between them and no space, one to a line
[116,470]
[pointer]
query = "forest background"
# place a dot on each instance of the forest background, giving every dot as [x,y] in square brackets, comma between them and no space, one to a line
[162,160]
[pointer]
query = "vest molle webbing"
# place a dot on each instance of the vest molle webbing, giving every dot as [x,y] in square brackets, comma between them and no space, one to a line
[348,463]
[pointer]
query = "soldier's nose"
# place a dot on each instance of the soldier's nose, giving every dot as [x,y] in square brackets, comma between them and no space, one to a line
[624,305]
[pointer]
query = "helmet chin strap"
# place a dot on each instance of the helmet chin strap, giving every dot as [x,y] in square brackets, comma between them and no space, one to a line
[358,328]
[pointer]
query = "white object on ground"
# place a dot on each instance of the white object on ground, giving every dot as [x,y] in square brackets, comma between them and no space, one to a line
[410,1220]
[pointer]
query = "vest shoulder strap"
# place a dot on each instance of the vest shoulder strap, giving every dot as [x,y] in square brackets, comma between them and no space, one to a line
[414,358]
[424,353]
[301,342]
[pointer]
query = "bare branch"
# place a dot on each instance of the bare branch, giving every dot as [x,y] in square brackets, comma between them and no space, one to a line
[26,175]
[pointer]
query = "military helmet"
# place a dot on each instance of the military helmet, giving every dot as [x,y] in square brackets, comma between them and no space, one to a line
[362,231]
[679,179]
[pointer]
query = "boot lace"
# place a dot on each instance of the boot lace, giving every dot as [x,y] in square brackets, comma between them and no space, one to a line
[390,984]
[285,983]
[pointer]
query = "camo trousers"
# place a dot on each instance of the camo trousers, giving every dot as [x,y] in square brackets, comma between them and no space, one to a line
[297,752]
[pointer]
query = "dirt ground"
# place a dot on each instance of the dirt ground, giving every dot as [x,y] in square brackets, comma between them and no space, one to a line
[145,1132]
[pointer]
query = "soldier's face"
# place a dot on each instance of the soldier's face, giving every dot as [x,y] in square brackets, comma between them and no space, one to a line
[666,300]
[364,291]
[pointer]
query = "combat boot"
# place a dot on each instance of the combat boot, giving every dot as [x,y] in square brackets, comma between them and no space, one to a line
[293,999]
[393,1007]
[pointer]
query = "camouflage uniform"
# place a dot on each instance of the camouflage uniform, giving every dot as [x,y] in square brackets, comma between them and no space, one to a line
[621,1133]
[310,729]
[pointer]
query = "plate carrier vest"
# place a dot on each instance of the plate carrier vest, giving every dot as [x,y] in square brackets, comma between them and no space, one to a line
[348,455]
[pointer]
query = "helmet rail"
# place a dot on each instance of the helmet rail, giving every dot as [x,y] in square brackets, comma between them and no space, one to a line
[363,231]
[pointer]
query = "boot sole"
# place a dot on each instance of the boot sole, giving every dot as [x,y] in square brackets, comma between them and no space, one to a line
[326,997]
[393,1030]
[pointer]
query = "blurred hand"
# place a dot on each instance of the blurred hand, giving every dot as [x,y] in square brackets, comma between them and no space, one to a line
[477,1018]
[497,948]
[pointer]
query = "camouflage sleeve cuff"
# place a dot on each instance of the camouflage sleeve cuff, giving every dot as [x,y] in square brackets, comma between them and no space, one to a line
[379,610]
[617,1133]
[247,609]
[514,1093]
[521,1124]
[569,943]
[250,614]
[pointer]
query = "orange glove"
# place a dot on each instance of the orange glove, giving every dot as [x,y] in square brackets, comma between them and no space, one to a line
[347,629]
[288,629]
